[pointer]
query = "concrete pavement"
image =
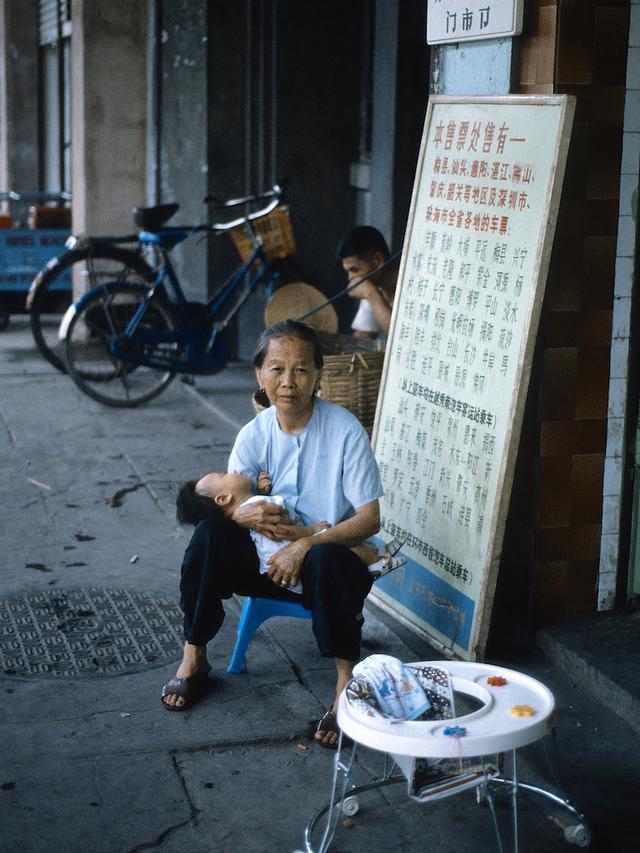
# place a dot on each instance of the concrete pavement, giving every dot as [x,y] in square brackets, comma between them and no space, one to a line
[90,630]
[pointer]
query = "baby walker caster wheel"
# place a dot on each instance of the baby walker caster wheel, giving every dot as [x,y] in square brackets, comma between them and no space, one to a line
[350,806]
[577,834]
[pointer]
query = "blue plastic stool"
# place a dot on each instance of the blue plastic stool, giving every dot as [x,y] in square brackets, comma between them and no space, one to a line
[254,612]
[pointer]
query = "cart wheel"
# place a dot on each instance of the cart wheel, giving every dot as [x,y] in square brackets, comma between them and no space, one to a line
[4,317]
[350,806]
[577,834]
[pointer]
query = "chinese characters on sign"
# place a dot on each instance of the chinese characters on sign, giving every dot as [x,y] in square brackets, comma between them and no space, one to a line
[451,21]
[468,283]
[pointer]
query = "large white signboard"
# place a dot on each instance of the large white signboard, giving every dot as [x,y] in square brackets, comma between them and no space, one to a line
[458,360]
[450,21]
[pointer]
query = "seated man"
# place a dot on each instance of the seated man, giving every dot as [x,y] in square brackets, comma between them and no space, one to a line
[362,251]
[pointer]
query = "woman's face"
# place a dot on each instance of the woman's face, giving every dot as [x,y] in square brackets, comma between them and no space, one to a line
[289,375]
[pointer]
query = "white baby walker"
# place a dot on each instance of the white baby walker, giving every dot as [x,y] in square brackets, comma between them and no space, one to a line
[442,756]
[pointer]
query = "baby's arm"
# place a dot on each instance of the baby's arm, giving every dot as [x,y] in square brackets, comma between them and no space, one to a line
[263,483]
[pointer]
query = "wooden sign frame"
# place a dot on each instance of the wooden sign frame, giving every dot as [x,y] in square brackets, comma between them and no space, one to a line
[459,355]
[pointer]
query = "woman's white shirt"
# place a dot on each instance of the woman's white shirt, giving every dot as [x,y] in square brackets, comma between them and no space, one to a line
[326,471]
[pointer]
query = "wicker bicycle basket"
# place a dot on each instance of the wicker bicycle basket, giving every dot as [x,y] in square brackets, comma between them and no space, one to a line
[276,232]
[351,375]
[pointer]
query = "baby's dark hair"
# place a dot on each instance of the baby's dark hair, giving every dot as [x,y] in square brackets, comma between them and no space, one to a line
[192,507]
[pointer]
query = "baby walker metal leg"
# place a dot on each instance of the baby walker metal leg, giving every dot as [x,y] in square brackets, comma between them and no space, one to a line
[334,806]
[514,801]
[578,833]
[492,808]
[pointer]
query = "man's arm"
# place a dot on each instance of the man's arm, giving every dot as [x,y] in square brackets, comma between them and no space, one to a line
[377,299]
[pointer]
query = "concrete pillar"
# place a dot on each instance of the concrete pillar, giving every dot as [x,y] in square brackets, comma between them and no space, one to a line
[18,95]
[384,116]
[108,63]
[183,104]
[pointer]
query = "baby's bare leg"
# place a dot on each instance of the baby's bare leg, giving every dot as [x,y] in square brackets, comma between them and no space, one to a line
[367,553]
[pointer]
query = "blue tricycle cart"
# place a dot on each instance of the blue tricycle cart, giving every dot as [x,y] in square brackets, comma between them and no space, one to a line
[33,229]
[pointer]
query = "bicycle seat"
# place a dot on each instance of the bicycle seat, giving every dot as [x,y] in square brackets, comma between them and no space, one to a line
[153,218]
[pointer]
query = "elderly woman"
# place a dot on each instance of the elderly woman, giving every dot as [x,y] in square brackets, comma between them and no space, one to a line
[319,459]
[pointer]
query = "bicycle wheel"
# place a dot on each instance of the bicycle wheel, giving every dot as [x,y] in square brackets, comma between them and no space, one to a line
[91,343]
[50,294]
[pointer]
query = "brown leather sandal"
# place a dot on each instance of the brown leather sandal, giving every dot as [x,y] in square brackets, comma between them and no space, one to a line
[328,724]
[191,689]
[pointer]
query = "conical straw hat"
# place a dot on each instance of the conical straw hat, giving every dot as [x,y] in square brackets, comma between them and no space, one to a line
[293,300]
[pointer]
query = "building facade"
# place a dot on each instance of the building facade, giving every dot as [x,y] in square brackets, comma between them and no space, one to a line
[170,100]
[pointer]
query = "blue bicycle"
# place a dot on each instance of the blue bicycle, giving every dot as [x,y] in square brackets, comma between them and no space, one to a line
[125,341]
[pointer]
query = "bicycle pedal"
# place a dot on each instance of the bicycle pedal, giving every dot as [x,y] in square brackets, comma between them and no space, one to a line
[188,380]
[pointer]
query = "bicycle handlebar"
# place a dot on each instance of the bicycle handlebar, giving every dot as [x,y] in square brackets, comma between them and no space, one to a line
[275,194]
[233,202]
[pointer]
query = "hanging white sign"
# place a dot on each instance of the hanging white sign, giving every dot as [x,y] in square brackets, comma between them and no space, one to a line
[451,21]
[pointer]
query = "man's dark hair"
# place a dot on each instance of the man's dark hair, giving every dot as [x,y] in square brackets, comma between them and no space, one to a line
[363,242]
[192,507]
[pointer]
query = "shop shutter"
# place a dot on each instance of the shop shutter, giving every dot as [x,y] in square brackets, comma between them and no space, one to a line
[54,20]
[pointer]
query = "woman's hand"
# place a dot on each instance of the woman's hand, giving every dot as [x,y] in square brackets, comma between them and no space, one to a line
[286,564]
[269,519]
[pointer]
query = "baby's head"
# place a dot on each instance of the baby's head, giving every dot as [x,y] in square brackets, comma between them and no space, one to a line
[212,496]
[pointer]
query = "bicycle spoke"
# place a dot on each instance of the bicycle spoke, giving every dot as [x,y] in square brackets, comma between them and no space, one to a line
[88,268]
[107,361]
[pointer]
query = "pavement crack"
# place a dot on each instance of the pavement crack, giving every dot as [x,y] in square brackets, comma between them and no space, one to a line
[10,432]
[154,497]
[281,652]
[193,818]
[155,844]
[234,743]
[99,801]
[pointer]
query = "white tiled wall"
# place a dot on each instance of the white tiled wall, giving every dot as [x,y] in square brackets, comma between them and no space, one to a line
[624,279]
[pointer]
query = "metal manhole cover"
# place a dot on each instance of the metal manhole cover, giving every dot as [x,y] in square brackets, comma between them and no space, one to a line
[84,632]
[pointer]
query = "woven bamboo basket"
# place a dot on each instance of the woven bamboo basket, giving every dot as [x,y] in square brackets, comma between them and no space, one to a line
[276,232]
[351,375]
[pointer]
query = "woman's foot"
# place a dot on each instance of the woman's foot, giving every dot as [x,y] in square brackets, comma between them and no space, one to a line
[327,734]
[194,666]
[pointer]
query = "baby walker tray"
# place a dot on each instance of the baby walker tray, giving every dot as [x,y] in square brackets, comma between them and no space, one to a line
[442,753]
[515,710]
